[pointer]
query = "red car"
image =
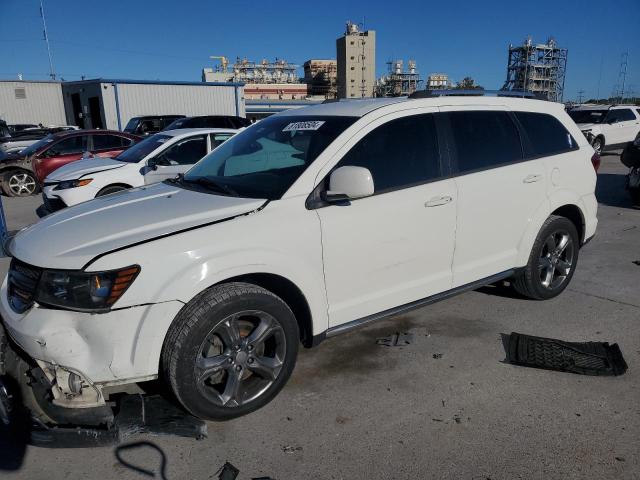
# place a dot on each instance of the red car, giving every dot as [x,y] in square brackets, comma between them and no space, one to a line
[22,172]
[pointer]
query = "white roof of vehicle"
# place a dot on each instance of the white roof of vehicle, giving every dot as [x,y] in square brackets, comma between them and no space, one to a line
[602,107]
[361,107]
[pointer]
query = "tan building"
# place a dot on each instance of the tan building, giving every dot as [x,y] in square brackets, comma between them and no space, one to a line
[276,91]
[322,77]
[356,53]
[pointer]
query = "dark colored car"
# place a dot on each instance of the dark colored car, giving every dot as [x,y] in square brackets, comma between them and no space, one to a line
[149,124]
[4,129]
[210,121]
[22,172]
[631,158]
[19,127]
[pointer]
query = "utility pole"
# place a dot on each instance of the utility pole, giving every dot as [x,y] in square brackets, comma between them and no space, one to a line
[46,39]
[622,76]
[580,94]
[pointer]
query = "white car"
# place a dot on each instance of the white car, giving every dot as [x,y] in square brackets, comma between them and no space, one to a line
[303,226]
[608,127]
[156,158]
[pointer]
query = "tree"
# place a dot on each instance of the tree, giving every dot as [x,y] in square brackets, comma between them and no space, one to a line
[468,83]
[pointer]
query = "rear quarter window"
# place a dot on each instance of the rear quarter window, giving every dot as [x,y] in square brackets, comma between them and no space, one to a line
[546,134]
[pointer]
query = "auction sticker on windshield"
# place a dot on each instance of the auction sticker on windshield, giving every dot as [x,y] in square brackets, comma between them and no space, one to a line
[302,126]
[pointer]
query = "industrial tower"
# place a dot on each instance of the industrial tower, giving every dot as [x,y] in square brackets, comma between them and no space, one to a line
[539,69]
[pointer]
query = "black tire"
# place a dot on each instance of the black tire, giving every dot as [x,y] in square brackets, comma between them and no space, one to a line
[598,144]
[111,189]
[635,196]
[19,183]
[543,259]
[208,319]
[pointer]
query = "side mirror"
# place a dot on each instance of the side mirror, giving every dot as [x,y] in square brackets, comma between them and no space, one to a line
[349,183]
[152,165]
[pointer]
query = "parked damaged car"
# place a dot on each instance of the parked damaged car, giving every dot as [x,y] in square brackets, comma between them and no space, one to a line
[306,225]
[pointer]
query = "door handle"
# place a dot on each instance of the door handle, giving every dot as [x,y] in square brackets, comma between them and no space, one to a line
[437,201]
[532,178]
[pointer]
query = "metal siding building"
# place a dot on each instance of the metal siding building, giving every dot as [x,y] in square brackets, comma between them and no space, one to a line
[34,102]
[103,103]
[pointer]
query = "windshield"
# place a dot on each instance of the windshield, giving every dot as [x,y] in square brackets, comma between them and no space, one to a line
[34,147]
[588,116]
[131,125]
[4,130]
[264,160]
[142,149]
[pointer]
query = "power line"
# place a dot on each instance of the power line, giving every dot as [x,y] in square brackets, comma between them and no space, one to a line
[46,39]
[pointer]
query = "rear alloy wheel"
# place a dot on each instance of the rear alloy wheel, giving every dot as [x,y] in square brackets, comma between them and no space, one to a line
[19,183]
[230,351]
[552,261]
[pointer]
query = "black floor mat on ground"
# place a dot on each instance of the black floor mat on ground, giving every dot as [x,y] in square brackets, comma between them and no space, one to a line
[586,358]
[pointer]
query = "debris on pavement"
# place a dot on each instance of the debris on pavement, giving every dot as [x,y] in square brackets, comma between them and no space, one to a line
[396,340]
[586,358]
[228,472]
[291,449]
[437,356]
[636,262]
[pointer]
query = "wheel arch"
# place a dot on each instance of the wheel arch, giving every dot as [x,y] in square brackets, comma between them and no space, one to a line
[575,215]
[118,184]
[289,292]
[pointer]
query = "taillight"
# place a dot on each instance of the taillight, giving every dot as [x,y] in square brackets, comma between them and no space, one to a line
[595,161]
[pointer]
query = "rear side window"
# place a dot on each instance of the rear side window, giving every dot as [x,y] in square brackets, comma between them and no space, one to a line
[620,115]
[484,139]
[400,153]
[547,136]
[109,142]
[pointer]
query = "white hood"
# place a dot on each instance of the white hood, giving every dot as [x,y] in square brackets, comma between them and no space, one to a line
[72,237]
[75,170]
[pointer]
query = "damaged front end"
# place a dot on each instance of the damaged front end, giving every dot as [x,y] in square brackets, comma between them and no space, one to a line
[52,406]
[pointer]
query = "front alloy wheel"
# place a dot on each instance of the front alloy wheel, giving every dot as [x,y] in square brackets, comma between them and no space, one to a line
[230,350]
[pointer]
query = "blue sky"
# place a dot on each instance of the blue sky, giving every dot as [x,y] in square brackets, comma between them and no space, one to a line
[170,40]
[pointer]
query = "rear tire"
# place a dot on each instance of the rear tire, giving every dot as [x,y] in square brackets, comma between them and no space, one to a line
[230,351]
[19,183]
[552,262]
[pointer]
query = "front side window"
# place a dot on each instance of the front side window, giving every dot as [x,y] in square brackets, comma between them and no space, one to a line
[264,160]
[547,136]
[400,153]
[484,139]
[69,146]
[184,152]
[142,149]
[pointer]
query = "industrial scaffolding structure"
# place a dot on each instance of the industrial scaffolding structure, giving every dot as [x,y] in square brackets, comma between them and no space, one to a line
[398,82]
[539,69]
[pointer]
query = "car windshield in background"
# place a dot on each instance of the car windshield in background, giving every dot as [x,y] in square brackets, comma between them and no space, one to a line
[131,125]
[142,149]
[264,160]
[588,116]
[34,147]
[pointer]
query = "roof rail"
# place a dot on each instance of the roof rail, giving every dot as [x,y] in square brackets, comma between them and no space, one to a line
[473,93]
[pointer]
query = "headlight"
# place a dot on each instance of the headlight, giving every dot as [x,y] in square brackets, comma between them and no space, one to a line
[84,291]
[81,182]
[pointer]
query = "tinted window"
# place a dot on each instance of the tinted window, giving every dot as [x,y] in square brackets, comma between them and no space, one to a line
[184,152]
[484,139]
[546,134]
[68,146]
[399,153]
[132,125]
[587,116]
[109,142]
[620,115]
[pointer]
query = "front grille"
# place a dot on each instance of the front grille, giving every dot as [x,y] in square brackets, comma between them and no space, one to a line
[52,204]
[22,285]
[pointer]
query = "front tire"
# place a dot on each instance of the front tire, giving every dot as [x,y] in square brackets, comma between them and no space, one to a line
[230,351]
[552,261]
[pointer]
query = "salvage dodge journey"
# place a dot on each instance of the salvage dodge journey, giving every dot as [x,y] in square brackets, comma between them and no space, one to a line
[307,224]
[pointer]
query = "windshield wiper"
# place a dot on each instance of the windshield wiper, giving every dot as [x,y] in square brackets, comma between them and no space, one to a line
[208,183]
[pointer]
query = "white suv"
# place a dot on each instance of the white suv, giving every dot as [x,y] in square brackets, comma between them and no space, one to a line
[305,225]
[607,126]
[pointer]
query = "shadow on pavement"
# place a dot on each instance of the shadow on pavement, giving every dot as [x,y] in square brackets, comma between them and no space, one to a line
[611,190]
[14,437]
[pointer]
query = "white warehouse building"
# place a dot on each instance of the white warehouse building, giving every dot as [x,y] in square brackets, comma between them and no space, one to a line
[31,102]
[110,104]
